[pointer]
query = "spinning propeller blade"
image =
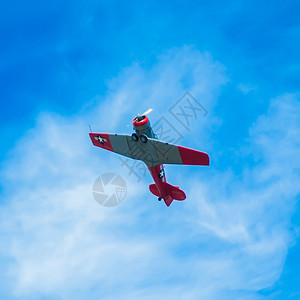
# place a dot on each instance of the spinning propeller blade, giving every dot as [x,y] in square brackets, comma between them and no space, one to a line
[148,111]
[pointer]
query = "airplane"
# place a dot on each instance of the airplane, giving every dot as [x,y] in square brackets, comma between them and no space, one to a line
[144,145]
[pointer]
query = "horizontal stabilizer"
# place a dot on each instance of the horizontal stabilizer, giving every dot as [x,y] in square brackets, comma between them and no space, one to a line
[175,192]
[172,192]
[154,190]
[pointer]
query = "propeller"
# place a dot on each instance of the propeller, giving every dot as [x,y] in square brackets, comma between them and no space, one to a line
[140,117]
[148,111]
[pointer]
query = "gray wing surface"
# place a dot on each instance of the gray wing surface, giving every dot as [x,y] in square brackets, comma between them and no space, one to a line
[152,153]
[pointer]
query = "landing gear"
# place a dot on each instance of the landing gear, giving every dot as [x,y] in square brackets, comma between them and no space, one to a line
[134,137]
[143,138]
[159,199]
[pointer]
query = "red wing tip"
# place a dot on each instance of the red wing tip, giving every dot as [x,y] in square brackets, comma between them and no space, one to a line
[193,157]
[208,161]
[101,140]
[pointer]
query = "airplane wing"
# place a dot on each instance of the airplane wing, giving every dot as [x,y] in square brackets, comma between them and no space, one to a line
[118,143]
[152,153]
[122,144]
[173,154]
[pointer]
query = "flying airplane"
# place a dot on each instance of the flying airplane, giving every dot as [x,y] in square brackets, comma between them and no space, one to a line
[144,145]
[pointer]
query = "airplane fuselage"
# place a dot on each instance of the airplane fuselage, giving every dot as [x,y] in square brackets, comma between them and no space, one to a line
[162,189]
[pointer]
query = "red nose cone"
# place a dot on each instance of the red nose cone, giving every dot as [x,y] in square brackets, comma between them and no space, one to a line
[140,121]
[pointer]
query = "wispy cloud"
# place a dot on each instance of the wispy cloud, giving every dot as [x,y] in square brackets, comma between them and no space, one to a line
[229,238]
[249,214]
[57,239]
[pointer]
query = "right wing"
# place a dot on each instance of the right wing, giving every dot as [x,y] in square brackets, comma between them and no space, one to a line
[124,145]
[118,143]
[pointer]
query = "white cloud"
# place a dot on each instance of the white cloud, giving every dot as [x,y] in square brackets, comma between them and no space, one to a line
[252,214]
[59,242]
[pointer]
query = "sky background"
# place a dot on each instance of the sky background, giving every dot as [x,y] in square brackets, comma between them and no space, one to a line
[65,65]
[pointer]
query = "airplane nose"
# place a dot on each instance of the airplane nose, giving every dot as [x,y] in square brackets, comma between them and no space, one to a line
[140,121]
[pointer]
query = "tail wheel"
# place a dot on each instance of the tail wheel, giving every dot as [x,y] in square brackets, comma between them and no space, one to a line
[134,137]
[143,138]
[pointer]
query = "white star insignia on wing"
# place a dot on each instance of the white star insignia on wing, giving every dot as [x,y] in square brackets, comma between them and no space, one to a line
[100,139]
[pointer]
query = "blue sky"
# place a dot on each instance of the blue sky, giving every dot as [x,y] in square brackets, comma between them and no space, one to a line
[66,65]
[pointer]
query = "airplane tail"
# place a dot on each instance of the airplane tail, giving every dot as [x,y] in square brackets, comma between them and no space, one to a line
[174,192]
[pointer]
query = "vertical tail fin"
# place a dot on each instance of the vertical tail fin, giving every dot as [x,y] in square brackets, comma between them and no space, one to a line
[168,200]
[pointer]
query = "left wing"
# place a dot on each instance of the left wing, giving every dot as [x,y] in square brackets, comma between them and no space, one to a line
[173,154]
